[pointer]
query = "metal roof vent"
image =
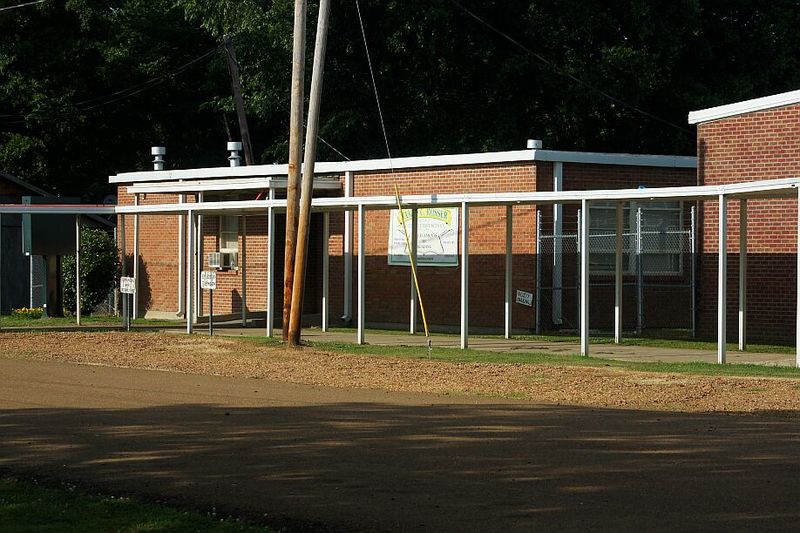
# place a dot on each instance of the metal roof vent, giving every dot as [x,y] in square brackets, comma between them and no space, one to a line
[158,153]
[234,148]
[534,144]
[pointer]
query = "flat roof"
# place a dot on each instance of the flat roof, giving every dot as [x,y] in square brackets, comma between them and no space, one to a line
[747,106]
[403,163]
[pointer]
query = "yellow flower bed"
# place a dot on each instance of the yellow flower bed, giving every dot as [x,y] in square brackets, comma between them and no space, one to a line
[28,312]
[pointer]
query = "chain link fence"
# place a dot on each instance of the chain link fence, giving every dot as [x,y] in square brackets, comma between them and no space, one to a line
[658,268]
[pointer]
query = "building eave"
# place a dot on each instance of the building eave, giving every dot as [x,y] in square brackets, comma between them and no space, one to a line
[742,108]
[409,163]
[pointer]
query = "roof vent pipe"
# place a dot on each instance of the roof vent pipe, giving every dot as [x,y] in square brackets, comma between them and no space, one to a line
[534,144]
[158,153]
[234,148]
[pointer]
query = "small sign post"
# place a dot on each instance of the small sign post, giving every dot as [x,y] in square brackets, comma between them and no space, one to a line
[525,298]
[127,287]
[208,280]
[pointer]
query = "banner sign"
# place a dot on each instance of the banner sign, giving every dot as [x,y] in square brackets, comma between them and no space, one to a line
[437,237]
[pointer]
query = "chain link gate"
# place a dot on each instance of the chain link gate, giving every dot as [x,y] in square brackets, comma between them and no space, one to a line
[38,281]
[659,269]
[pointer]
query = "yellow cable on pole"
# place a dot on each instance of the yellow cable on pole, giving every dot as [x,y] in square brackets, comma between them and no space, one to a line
[413,268]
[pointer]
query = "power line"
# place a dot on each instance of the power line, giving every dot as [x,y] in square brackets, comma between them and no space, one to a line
[374,86]
[332,147]
[543,60]
[22,5]
[117,96]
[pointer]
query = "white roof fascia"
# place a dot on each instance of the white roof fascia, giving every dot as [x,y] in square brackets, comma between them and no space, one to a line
[636,160]
[741,108]
[766,188]
[387,165]
[229,184]
[57,209]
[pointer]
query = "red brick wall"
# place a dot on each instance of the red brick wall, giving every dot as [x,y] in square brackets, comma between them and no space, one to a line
[158,244]
[388,287]
[755,146]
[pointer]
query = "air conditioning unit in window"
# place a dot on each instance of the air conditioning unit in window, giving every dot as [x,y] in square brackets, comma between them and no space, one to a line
[222,260]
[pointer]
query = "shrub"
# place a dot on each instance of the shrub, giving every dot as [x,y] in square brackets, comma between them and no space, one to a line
[99,265]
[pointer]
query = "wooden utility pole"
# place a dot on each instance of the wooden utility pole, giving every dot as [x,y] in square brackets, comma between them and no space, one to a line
[315,98]
[295,155]
[233,68]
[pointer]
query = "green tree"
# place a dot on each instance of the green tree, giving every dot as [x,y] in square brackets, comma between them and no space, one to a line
[99,266]
[618,75]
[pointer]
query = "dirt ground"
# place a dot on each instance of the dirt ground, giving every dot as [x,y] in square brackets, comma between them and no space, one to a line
[332,442]
[551,384]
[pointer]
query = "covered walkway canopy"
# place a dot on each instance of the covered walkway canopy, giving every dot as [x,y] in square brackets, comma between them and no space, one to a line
[741,192]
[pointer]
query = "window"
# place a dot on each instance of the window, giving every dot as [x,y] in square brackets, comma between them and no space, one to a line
[662,237]
[228,233]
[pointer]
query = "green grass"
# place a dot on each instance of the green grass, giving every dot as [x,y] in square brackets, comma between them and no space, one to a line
[457,355]
[29,506]
[670,339]
[7,321]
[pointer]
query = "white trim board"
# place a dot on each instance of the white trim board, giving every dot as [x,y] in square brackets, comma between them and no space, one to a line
[404,163]
[758,189]
[227,184]
[747,106]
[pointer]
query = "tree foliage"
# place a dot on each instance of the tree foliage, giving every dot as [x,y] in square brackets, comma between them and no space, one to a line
[99,265]
[452,75]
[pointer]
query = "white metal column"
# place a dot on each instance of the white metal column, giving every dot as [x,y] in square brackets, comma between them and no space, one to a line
[584,251]
[190,274]
[639,274]
[509,268]
[78,269]
[538,295]
[797,288]
[619,241]
[124,258]
[326,230]
[243,270]
[558,264]
[181,257]
[722,280]
[347,253]
[742,275]
[271,266]
[464,275]
[1,265]
[412,312]
[198,295]
[693,272]
[31,303]
[135,311]
[362,222]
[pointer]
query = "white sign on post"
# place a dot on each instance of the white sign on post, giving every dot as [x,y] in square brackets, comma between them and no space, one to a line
[525,298]
[127,285]
[208,279]
[437,237]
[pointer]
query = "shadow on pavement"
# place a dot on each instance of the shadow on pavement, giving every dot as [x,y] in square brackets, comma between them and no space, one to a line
[369,466]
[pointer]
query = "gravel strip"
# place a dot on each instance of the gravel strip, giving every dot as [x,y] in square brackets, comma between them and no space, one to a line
[229,356]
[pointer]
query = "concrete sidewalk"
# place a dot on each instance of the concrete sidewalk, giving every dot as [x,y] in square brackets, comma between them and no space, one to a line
[484,342]
[567,347]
